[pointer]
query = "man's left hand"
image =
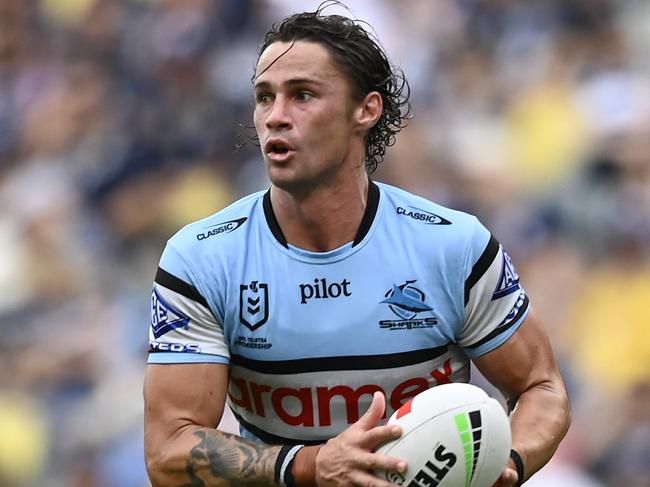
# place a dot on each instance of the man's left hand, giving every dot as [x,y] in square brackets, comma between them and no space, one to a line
[508,477]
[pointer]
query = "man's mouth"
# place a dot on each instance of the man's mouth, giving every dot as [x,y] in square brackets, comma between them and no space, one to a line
[278,149]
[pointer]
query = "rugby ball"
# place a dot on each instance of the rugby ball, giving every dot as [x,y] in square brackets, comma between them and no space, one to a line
[453,435]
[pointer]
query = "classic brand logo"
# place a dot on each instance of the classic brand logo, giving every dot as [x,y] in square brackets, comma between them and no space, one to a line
[422,215]
[407,301]
[253,304]
[164,317]
[219,228]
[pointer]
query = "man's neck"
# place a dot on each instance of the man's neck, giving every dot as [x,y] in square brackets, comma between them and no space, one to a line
[325,218]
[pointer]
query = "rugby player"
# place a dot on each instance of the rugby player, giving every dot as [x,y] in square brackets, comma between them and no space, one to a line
[316,308]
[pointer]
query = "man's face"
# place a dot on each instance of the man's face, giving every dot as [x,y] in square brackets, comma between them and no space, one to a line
[304,116]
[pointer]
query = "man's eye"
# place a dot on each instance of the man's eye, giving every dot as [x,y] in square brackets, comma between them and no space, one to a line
[303,96]
[263,98]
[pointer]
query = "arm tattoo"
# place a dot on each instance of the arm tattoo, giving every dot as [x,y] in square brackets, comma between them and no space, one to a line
[221,459]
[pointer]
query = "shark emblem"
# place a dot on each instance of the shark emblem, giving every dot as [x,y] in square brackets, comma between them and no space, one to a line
[406,301]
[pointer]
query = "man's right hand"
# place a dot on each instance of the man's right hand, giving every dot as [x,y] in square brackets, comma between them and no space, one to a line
[348,459]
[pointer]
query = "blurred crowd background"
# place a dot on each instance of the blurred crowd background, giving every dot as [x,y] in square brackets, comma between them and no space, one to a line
[122,120]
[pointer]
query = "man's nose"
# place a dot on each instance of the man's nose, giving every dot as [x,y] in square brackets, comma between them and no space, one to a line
[278,116]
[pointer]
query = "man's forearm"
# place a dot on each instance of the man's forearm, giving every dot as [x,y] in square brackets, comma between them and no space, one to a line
[539,421]
[203,457]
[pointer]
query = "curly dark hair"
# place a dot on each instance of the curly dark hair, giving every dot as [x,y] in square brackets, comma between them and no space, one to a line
[360,56]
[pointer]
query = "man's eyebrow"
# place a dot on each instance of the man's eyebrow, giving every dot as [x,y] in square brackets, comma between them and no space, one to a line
[290,82]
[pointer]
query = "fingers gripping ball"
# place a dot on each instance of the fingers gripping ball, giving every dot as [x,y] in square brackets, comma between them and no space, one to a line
[454,435]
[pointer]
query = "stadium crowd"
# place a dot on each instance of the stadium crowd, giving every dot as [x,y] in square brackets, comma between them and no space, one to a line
[121,120]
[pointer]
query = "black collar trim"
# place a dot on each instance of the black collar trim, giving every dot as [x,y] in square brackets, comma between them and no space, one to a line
[369,214]
[366,222]
[272,221]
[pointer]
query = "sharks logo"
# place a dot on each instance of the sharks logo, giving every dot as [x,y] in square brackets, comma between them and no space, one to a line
[407,301]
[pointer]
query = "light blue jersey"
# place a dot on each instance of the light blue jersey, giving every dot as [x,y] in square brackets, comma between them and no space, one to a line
[310,336]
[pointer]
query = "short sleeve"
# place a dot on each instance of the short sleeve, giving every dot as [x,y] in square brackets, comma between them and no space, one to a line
[183,327]
[495,304]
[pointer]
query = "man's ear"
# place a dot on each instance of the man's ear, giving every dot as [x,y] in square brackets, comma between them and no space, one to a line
[369,110]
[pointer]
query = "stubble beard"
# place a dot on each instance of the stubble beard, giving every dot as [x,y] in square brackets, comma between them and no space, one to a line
[303,185]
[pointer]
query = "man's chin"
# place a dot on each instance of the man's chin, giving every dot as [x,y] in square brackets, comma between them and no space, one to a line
[284,178]
[298,182]
[290,185]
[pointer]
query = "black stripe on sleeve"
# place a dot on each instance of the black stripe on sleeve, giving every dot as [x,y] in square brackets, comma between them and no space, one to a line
[481,266]
[175,284]
[504,327]
[331,364]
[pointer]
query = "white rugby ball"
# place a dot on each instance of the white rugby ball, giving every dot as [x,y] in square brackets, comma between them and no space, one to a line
[453,435]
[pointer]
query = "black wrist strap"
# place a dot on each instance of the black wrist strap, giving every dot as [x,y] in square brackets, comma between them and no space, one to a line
[280,460]
[519,464]
[289,480]
[283,465]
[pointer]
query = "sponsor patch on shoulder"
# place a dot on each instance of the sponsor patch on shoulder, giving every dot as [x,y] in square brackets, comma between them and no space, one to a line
[164,317]
[515,311]
[509,280]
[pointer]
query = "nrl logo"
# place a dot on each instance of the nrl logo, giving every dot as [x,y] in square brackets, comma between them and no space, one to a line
[253,304]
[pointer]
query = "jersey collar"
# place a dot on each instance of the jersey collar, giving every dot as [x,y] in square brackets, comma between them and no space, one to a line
[364,226]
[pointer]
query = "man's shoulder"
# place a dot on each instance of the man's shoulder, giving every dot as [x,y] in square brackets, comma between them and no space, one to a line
[222,225]
[408,206]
